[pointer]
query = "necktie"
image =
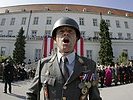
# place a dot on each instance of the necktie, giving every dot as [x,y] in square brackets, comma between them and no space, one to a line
[64,68]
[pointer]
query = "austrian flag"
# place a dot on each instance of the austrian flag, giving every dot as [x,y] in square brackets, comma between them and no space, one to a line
[49,46]
[79,47]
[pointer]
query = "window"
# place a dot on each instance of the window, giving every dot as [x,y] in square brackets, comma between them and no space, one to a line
[37,54]
[95,22]
[125,50]
[96,34]
[110,34]
[3,21]
[48,32]
[34,33]
[117,24]
[35,22]
[49,20]
[128,36]
[12,21]
[120,36]
[89,54]
[81,21]
[108,22]
[1,32]
[10,32]
[131,57]
[66,9]
[82,34]
[23,21]
[126,24]
[3,51]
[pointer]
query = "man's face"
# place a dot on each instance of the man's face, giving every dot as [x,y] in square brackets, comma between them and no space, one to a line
[65,39]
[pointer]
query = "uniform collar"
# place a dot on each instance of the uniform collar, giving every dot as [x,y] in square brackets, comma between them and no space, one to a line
[70,57]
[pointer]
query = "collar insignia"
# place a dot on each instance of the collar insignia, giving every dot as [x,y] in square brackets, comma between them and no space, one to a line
[81,60]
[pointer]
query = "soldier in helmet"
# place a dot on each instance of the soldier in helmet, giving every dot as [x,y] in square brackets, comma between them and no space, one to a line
[65,75]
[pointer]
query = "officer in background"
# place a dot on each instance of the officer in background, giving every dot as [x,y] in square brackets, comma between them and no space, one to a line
[80,79]
[8,75]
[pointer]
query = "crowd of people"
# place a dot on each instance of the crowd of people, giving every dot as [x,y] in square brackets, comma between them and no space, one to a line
[12,73]
[108,75]
[19,71]
[115,75]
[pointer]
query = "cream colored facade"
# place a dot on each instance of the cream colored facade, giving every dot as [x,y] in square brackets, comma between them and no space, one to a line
[39,22]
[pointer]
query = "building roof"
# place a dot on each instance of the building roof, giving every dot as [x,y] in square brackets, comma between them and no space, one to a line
[68,7]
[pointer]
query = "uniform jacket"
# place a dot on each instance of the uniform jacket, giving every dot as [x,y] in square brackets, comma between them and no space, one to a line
[57,88]
[8,72]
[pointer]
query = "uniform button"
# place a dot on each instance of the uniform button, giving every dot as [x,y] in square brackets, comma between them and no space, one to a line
[63,98]
[64,87]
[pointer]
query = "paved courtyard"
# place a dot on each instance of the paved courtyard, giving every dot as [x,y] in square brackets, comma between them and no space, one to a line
[122,92]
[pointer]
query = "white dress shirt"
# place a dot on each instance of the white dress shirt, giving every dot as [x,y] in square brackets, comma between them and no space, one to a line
[71,61]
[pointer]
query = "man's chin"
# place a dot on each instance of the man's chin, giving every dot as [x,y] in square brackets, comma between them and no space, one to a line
[66,51]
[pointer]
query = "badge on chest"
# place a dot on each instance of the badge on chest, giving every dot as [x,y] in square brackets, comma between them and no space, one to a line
[85,83]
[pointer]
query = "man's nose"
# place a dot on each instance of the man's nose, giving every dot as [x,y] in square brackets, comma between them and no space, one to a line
[66,33]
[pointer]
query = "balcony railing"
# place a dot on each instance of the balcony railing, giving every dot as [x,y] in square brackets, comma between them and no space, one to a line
[41,38]
[97,38]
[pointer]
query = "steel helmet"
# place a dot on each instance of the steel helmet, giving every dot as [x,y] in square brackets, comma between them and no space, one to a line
[65,21]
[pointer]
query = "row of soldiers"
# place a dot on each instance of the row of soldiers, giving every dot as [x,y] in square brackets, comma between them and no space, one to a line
[117,74]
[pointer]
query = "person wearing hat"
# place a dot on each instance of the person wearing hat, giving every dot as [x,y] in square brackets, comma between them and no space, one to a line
[65,75]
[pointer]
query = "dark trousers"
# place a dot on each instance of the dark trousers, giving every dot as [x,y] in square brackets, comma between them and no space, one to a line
[9,84]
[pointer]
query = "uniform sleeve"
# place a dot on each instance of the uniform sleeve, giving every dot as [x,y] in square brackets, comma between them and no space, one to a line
[35,87]
[94,93]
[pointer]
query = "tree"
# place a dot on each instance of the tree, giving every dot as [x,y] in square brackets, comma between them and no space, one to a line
[19,51]
[123,58]
[105,52]
[2,58]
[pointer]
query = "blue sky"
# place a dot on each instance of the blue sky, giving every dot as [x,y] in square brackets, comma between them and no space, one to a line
[118,4]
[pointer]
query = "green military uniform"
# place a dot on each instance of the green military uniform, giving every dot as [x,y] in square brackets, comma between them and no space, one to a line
[56,88]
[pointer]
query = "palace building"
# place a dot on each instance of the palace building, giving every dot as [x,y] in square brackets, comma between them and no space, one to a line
[37,21]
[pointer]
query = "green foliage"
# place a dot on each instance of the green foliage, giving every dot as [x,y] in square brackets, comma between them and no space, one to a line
[19,51]
[123,58]
[2,58]
[105,52]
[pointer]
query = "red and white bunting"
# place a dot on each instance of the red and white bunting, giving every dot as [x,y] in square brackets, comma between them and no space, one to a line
[48,45]
[79,47]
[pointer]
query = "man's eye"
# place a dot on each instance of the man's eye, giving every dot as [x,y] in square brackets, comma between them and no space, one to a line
[61,31]
[70,31]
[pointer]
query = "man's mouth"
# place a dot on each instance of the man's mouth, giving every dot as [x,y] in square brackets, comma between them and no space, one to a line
[65,40]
